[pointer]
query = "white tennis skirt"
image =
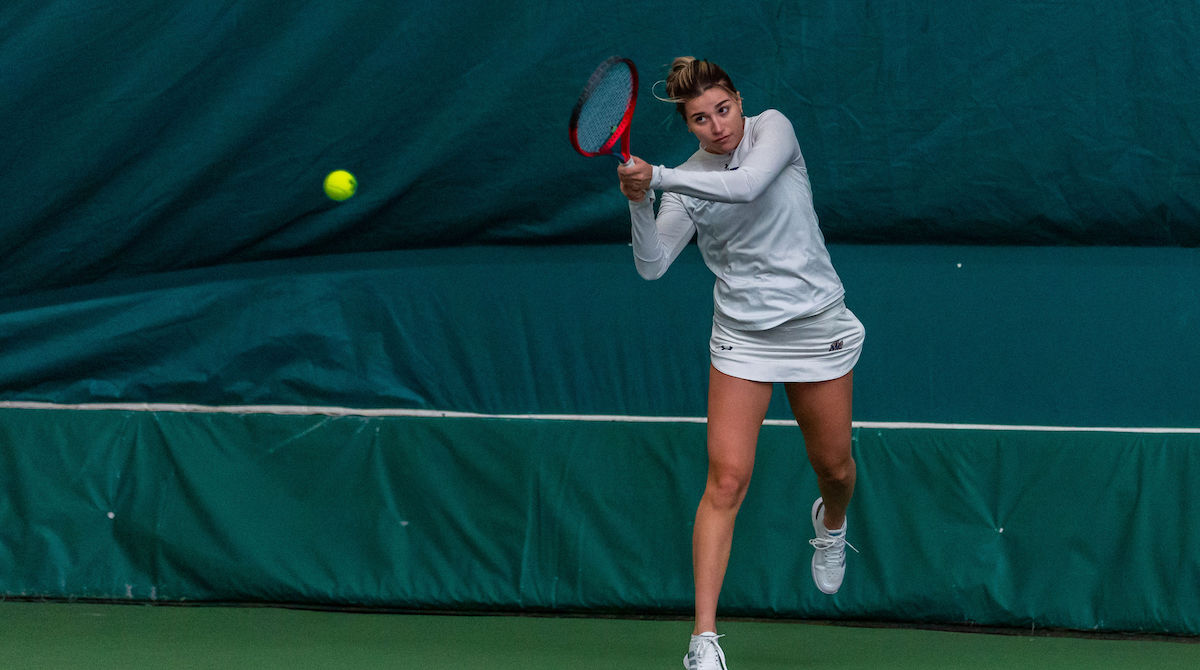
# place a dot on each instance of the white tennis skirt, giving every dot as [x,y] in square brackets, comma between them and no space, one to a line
[815,348]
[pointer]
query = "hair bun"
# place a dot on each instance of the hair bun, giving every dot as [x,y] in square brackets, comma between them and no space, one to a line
[681,63]
[689,77]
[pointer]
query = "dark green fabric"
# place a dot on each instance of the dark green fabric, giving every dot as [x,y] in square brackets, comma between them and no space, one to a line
[144,136]
[1020,529]
[1042,336]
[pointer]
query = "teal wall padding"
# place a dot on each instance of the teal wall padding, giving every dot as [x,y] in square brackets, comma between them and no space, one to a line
[1012,336]
[1074,530]
[146,136]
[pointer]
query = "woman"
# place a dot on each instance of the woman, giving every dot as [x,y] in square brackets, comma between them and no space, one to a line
[778,316]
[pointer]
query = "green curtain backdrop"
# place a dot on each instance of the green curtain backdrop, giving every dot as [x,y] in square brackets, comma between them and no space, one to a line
[144,136]
[994,335]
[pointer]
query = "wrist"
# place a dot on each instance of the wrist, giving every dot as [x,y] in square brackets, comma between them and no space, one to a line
[656,176]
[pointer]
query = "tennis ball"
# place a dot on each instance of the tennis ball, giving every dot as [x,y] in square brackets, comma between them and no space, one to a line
[340,185]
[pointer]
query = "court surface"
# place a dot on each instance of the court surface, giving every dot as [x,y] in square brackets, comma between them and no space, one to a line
[79,635]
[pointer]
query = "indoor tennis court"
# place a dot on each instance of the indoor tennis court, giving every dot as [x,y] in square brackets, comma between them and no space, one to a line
[433,418]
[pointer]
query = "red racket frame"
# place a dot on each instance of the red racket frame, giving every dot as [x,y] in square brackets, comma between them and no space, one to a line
[622,131]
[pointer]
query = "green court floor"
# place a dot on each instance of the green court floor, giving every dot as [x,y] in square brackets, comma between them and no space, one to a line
[62,635]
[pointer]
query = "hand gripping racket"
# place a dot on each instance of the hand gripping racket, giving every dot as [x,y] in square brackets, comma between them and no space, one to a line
[600,122]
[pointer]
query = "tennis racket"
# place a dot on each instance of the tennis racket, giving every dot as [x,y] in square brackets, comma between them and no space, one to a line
[600,122]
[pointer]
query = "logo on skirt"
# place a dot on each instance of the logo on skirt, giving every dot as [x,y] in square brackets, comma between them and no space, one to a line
[836,346]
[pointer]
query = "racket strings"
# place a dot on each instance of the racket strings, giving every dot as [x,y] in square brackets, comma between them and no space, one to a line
[602,112]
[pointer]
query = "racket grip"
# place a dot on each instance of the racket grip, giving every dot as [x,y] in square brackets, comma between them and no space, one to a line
[628,163]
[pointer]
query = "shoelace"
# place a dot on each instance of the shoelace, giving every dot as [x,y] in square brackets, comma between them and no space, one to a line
[834,548]
[708,647]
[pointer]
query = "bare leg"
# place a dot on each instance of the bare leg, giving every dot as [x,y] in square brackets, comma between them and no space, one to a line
[736,408]
[823,411]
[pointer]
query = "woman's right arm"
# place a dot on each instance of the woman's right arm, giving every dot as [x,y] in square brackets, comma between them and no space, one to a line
[658,240]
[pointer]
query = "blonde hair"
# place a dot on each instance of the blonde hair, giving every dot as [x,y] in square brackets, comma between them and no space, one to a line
[690,77]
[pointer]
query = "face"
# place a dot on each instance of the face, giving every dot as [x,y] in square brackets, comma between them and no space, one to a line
[715,118]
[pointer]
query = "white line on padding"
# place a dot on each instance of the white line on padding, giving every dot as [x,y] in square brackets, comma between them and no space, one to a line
[306,410]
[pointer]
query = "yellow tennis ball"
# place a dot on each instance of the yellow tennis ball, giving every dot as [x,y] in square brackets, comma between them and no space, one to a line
[340,185]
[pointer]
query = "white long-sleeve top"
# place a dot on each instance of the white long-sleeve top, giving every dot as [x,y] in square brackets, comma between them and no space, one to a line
[753,217]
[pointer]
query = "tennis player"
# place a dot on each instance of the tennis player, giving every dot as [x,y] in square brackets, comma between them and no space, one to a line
[779,316]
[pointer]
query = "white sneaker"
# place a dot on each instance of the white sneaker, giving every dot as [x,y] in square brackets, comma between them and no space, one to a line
[704,653]
[829,555]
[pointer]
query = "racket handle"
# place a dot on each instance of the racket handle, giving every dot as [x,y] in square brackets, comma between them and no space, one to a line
[628,163]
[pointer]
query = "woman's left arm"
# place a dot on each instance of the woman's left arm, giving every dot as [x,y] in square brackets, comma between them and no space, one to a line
[774,147]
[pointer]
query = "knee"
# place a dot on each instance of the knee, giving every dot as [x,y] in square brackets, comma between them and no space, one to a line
[835,469]
[726,487]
